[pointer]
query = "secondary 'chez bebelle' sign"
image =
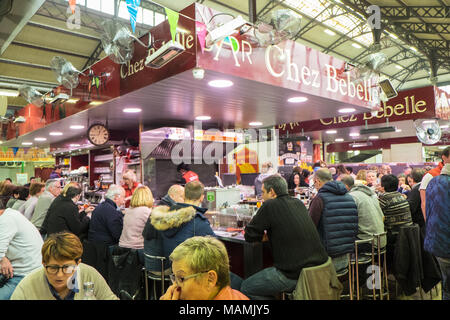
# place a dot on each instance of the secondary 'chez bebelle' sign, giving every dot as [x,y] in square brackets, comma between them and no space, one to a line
[408,105]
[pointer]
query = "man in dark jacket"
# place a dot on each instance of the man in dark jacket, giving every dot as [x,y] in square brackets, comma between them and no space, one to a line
[335,214]
[437,238]
[413,198]
[168,227]
[64,215]
[396,213]
[107,219]
[293,238]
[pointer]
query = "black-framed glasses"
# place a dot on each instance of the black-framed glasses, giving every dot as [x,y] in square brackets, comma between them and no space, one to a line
[67,268]
[180,280]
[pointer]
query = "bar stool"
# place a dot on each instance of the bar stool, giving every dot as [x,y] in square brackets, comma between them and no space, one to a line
[155,276]
[361,261]
[382,275]
[345,272]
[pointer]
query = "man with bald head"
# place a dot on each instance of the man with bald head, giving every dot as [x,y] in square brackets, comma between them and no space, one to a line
[173,196]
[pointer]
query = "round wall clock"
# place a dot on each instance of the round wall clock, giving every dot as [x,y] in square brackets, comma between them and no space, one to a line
[98,134]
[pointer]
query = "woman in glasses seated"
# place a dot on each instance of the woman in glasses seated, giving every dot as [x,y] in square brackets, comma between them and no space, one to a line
[201,272]
[63,275]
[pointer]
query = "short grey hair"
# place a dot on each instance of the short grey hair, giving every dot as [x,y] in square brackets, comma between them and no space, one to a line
[49,183]
[113,191]
[348,180]
[323,175]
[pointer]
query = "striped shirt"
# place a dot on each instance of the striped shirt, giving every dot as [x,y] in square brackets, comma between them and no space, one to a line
[396,211]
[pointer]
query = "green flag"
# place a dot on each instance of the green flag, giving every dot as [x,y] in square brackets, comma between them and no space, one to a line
[172,16]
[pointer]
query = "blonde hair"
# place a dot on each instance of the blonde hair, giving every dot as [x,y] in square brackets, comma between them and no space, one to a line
[62,246]
[361,175]
[130,175]
[142,197]
[67,186]
[203,254]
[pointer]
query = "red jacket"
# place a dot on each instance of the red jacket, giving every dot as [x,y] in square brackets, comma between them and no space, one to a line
[436,171]
[129,192]
[190,176]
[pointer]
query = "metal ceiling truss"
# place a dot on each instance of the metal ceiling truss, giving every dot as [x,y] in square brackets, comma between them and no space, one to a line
[345,37]
[403,12]
[442,28]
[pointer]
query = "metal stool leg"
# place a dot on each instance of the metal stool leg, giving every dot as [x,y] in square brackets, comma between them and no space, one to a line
[386,274]
[146,284]
[350,278]
[373,272]
[357,272]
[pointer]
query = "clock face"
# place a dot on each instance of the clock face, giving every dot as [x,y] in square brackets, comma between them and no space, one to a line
[98,134]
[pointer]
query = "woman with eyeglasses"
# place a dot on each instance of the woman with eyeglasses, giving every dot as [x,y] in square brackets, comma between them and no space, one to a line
[201,272]
[63,275]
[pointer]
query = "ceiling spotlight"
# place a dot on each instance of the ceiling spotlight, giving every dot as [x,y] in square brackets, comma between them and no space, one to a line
[74,145]
[373,137]
[9,93]
[56,133]
[220,83]
[96,103]
[40,139]
[132,110]
[203,118]
[347,110]
[445,126]
[297,99]
[331,131]
[339,140]
[77,127]
[398,130]
[27,143]
[354,134]
[357,46]
[256,123]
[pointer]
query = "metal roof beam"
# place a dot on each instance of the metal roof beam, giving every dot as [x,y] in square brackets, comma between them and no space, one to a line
[72,33]
[25,64]
[31,46]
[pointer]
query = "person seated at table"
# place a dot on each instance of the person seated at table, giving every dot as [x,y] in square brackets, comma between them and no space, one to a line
[170,226]
[294,241]
[24,193]
[107,219]
[174,195]
[62,276]
[36,190]
[134,220]
[14,196]
[201,271]
[64,215]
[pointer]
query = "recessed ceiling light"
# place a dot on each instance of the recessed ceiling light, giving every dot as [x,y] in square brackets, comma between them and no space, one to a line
[398,130]
[373,137]
[220,83]
[339,140]
[203,118]
[74,145]
[56,133]
[445,126]
[398,67]
[331,131]
[429,121]
[354,134]
[77,127]
[442,147]
[328,31]
[357,46]
[27,143]
[132,110]
[347,110]
[9,93]
[40,139]
[297,99]
[256,123]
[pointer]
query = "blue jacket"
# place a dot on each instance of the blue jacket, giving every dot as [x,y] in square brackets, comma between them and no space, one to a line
[437,229]
[167,229]
[338,225]
[106,224]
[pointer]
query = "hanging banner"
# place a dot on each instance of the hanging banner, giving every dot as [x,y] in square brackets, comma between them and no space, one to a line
[132,6]
[201,34]
[173,17]
[72,4]
[15,149]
